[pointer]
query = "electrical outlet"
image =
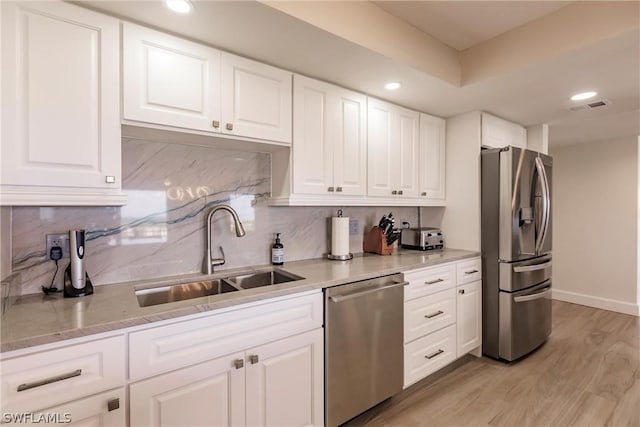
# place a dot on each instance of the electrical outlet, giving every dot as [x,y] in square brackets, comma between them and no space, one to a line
[353,226]
[61,240]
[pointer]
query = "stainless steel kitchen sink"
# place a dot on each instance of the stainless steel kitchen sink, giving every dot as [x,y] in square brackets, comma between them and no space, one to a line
[184,291]
[263,278]
[181,292]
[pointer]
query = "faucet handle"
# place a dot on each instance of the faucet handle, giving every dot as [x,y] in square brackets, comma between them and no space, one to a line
[222,252]
[218,261]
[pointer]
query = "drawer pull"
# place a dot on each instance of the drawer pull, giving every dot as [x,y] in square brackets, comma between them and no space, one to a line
[113,404]
[437,313]
[238,363]
[27,386]
[432,355]
[471,272]
[433,282]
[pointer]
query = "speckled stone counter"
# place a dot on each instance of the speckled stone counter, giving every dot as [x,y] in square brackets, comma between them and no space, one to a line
[38,319]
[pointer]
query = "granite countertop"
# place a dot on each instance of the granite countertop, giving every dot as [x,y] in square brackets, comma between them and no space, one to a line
[38,319]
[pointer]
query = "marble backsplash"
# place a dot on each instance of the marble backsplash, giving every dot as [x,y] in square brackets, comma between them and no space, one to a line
[160,232]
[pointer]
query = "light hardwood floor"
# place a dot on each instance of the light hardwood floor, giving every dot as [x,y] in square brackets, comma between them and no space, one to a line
[587,374]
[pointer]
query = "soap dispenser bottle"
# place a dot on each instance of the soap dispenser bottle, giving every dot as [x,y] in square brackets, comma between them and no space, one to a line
[277,252]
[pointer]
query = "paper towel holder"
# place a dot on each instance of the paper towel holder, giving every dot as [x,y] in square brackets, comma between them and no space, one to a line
[346,257]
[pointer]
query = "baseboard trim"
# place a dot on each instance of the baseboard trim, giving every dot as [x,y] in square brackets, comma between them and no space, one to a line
[596,302]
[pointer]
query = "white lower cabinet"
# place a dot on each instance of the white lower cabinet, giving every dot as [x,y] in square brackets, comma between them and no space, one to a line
[277,384]
[285,382]
[211,393]
[469,321]
[442,316]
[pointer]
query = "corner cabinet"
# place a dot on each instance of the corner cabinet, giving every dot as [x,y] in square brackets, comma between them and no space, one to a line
[392,151]
[60,106]
[432,157]
[170,81]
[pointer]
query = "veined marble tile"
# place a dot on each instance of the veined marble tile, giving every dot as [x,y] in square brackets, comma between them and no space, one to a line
[161,230]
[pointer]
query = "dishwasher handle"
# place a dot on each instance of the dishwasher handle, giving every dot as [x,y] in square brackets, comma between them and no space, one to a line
[345,297]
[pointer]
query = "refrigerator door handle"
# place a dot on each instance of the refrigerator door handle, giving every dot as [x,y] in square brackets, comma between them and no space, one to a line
[542,176]
[535,267]
[531,297]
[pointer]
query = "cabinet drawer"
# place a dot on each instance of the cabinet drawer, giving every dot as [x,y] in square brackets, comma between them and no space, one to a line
[428,314]
[52,377]
[429,281]
[181,344]
[469,271]
[426,355]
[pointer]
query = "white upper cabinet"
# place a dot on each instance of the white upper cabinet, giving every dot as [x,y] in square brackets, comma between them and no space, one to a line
[393,150]
[329,139]
[60,106]
[256,99]
[432,157]
[498,133]
[170,81]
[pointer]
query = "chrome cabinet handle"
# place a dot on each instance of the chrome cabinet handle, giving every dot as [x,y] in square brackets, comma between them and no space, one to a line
[110,179]
[433,282]
[344,297]
[238,363]
[113,404]
[254,359]
[27,386]
[215,124]
[394,192]
[330,189]
[400,192]
[229,126]
[339,189]
[437,313]
[471,272]
[432,355]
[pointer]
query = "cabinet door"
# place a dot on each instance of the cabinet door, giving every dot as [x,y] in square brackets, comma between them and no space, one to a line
[498,133]
[60,97]
[380,148]
[469,322]
[208,394]
[312,149]
[256,99]
[170,81]
[406,152]
[285,384]
[103,410]
[350,143]
[432,157]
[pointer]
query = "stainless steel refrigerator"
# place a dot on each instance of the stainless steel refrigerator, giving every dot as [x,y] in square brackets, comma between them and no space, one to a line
[516,251]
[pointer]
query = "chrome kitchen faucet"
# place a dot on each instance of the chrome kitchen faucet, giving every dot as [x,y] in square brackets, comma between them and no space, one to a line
[208,263]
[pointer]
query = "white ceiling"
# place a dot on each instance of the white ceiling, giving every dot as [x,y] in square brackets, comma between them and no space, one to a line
[463,24]
[534,92]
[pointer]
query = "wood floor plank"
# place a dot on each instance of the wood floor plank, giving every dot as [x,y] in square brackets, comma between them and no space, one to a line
[587,374]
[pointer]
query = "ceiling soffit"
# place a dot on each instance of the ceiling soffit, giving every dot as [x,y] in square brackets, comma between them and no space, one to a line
[569,28]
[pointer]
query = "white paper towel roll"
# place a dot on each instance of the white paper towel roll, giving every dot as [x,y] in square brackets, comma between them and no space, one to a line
[339,235]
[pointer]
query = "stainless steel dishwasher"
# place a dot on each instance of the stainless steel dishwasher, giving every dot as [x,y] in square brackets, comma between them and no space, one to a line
[363,345]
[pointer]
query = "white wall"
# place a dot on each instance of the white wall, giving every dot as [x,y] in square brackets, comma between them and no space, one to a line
[595,224]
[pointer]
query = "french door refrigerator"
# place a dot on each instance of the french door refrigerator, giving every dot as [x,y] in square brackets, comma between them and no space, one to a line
[516,251]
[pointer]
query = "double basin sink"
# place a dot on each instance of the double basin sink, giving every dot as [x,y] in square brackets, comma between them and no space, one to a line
[184,291]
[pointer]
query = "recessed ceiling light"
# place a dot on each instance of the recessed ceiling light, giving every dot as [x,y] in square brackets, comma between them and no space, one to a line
[583,95]
[179,6]
[392,86]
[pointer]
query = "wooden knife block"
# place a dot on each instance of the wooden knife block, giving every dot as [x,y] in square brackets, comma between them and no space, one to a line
[376,242]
